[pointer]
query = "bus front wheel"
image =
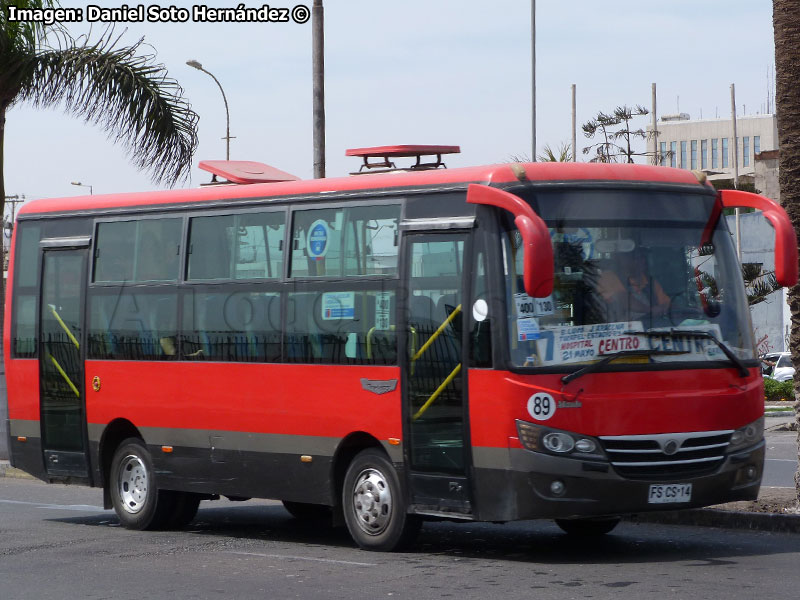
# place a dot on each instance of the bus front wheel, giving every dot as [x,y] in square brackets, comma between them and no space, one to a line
[374,506]
[138,502]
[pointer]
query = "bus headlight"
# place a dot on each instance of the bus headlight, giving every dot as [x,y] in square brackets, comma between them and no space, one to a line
[560,443]
[748,435]
[543,439]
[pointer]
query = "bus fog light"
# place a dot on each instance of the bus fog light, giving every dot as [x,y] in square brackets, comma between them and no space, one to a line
[558,442]
[750,472]
[557,488]
[584,445]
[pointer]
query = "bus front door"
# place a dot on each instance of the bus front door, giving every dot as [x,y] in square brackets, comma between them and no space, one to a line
[434,375]
[61,366]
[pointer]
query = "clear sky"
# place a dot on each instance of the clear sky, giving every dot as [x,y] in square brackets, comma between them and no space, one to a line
[414,72]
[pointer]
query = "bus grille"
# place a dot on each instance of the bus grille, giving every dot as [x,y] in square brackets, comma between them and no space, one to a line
[666,456]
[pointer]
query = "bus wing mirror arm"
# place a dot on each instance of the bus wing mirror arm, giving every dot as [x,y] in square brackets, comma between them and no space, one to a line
[537,248]
[786,265]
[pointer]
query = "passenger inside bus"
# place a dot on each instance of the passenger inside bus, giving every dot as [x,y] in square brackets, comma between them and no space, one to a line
[630,291]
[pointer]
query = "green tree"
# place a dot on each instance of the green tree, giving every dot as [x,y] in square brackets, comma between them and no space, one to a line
[617,135]
[116,87]
[563,154]
[786,24]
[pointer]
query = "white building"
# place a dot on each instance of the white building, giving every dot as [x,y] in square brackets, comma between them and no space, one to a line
[708,145]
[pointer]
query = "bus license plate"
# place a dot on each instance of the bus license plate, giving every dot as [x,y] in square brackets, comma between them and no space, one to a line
[666,494]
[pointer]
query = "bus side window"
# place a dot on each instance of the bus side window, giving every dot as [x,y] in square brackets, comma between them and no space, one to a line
[240,326]
[129,324]
[342,327]
[115,251]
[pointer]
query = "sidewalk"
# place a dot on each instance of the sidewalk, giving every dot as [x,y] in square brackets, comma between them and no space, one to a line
[6,470]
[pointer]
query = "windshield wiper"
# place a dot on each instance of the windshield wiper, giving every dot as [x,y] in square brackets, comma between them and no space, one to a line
[622,353]
[743,372]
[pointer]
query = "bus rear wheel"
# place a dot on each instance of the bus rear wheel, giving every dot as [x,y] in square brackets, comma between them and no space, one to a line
[138,502]
[588,527]
[374,506]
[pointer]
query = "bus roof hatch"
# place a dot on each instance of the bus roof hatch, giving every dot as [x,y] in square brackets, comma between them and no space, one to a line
[245,171]
[402,151]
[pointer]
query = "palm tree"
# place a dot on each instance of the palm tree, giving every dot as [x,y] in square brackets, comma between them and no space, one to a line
[563,154]
[786,22]
[113,86]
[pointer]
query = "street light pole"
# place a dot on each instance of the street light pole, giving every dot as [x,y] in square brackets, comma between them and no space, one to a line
[318,87]
[196,65]
[78,183]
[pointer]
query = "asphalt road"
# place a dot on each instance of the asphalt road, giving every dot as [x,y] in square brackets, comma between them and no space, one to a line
[57,543]
[781,459]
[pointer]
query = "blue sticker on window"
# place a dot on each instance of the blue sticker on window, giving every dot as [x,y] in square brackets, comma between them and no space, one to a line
[318,236]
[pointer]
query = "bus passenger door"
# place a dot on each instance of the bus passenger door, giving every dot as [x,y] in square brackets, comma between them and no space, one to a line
[61,356]
[434,373]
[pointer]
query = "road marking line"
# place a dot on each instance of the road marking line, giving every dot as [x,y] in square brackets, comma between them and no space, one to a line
[309,558]
[78,507]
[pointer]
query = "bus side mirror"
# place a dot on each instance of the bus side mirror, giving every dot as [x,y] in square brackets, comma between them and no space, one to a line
[786,265]
[537,249]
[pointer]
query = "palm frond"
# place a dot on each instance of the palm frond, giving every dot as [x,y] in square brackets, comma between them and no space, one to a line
[126,93]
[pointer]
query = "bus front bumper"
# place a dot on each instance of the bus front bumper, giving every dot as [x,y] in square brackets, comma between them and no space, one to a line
[545,486]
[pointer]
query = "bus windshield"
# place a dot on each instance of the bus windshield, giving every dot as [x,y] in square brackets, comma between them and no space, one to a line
[648,271]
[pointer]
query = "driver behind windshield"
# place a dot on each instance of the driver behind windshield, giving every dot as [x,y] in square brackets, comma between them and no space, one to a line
[629,291]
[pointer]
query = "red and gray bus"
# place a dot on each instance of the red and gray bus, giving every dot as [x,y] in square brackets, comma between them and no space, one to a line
[516,341]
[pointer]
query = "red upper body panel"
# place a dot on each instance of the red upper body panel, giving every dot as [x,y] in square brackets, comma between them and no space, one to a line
[492,174]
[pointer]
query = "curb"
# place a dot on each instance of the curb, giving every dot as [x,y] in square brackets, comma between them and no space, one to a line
[724,519]
[6,470]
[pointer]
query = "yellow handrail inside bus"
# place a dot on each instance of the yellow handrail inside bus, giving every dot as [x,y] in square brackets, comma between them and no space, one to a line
[437,333]
[437,393]
[65,376]
[374,329]
[64,326]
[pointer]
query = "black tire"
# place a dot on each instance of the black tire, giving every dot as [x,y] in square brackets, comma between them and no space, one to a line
[304,511]
[588,527]
[184,510]
[374,507]
[138,502]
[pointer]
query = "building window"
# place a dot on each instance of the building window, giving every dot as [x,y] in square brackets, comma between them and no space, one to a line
[704,154]
[715,153]
[694,154]
[756,144]
[746,151]
[684,164]
[724,153]
[673,153]
[663,154]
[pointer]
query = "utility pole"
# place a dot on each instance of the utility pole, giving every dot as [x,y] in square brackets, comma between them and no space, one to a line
[654,122]
[574,125]
[318,76]
[736,170]
[533,80]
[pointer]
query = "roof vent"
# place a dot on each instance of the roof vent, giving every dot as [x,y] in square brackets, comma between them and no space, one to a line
[244,171]
[386,153]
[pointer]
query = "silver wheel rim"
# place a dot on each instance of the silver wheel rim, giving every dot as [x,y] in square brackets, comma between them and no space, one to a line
[372,502]
[132,484]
